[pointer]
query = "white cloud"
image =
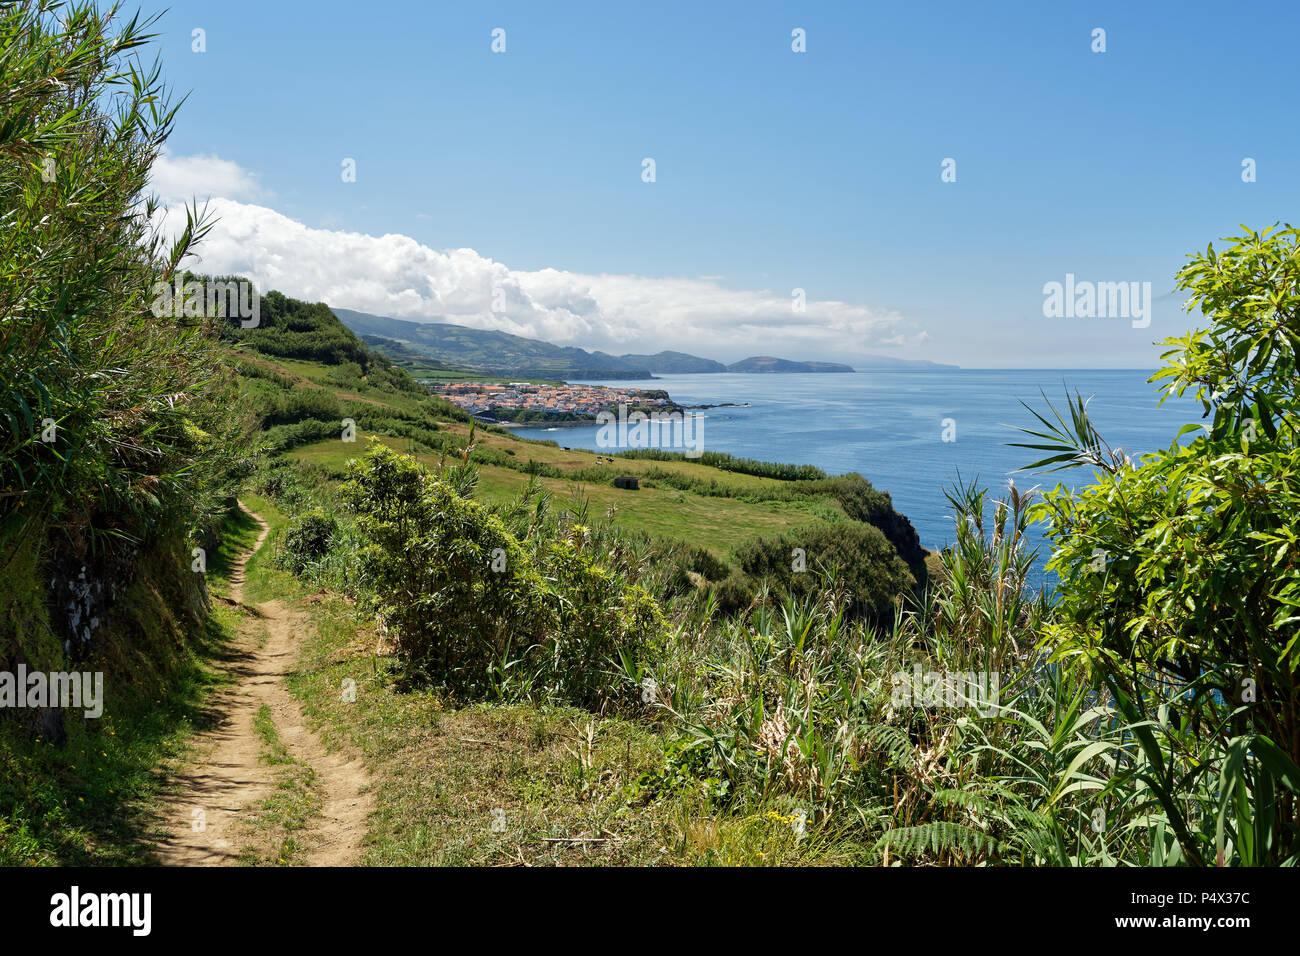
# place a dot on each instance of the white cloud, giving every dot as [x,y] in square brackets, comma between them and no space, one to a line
[397,276]
[178,180]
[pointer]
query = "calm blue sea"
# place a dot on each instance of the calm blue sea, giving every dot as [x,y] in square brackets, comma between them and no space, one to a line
[888,426]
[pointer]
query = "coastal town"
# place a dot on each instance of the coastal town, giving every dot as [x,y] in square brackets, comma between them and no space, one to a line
[480,398]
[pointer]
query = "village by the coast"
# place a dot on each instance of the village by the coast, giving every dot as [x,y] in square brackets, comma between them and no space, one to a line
[479,398]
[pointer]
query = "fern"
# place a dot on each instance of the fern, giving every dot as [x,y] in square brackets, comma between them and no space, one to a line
[938,838]
[894,742]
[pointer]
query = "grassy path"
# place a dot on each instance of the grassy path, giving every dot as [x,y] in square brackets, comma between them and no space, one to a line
[265,789]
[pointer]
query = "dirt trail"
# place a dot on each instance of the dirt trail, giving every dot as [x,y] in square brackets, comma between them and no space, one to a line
[229,779]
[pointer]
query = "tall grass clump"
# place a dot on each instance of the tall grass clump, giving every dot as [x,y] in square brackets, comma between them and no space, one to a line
[106,408]
[800,705]
[120,446]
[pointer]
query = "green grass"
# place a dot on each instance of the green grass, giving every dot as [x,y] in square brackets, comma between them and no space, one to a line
[570,784]
[94,801]
[294,801]
[574,459]
[263,581]
[716,523]
[238,535]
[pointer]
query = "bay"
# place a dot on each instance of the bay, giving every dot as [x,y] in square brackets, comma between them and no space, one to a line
[889,426]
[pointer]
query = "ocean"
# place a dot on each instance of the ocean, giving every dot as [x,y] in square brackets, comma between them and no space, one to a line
[889,426]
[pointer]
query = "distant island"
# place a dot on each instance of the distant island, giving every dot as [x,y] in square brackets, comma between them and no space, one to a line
[766,363]
[679,363]
[675,363]
[440,348]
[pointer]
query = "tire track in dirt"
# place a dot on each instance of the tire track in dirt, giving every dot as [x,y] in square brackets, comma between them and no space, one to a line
[230,781]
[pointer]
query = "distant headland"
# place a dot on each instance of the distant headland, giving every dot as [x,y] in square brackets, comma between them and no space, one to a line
[427,347]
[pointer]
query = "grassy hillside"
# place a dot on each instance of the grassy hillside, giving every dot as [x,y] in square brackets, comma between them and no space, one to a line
[488,351]
[670,363]
[767,363]
[720,523]
[304,373]
[420,367]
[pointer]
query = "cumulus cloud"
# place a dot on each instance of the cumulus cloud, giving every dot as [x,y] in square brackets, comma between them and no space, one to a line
[397,276]
[179,179]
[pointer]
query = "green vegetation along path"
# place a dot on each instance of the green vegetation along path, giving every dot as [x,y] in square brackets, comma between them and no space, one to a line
[264,788]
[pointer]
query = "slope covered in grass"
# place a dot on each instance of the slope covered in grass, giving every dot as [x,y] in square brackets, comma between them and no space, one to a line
[305,374]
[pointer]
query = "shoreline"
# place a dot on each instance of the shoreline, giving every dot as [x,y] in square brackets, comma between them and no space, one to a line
[927,551]
[570,423]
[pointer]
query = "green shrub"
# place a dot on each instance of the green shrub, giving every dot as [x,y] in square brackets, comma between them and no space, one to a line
[599,618]
[119,428]
[1180,573]
[292,329]
[867,504]
[724,462]
[857,555]
[284,437]
[467,599]
[307,538]
[734,594]
[702,561]
[299,404]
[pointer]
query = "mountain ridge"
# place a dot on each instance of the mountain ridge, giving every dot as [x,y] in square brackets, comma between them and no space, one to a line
[503,352]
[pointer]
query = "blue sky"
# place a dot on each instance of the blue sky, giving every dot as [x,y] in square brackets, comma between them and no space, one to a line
[775,170]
